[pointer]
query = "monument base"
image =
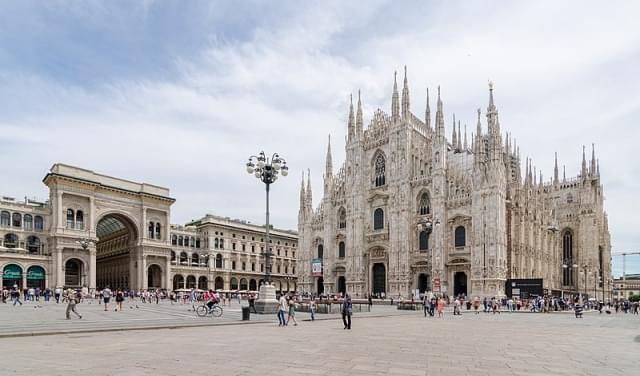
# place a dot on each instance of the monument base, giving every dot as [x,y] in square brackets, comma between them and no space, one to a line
[267,302]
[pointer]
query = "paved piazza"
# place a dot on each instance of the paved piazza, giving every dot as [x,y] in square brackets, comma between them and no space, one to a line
[398,343]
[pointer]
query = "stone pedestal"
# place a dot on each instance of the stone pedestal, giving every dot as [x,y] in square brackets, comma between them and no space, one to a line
[267,302]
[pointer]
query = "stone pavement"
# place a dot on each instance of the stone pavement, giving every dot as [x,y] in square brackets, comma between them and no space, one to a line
[409,344]
[38,318]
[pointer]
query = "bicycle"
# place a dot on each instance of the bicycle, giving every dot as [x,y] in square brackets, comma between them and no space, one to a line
[204,310]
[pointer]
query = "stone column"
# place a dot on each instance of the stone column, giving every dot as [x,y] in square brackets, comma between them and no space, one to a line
[167,273]
[59,273]
[92,219]
[143,272]
[92,269]
[60,210]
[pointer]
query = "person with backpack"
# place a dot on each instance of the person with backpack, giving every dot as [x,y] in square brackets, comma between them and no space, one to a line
[347,310]
[73,299]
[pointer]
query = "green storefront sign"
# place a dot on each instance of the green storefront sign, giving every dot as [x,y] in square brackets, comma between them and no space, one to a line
[12,272]
[35,273]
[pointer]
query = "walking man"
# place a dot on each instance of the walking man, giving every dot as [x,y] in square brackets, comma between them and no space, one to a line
[252,303]
[56,293]
[106,296]
[72,300]
[312,308]
[347,310]
[282,308]
[15,295]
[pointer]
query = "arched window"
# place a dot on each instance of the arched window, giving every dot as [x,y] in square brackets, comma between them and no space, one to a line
[341,250]
[219,261]
[70,218]
[79,220]
[192,242]
[180,240]
[33,244]
[38,223]
[28,222]
[460,236]
[567,255]
[378,219]
[173,256]
[221,243]
[183,258]
[17,220]
[151,227]
[10,241]
[5,218]
[158,231]
[423,205]
[342,218]
[195,259]
[320,251]
[379,170]
[424,240]
[197,242]
[174,239]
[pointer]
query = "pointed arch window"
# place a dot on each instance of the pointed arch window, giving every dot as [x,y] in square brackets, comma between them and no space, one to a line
[423,205]
[342,218]
[567,254]
[423,241]
[341,250]
[320,251]
[378,219]
[380,167]
[460,236]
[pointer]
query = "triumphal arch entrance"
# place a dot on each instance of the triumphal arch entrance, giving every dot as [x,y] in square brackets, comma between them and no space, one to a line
[107,231]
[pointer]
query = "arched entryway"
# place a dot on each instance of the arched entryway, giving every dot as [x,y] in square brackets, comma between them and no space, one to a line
[154,277]
[460,283]
[234,283]
[320,286]
[219,283]
[12,276]
[244,284]
[253,285]
[36,277]
[73,274]
[116,252]
[203,284]
[379,278]
[178,282]
[342,285]
[423,283]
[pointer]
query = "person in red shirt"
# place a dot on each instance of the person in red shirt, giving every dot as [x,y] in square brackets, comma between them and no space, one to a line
[211,299]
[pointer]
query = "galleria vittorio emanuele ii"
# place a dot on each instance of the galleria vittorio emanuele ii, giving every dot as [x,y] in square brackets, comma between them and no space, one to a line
[412,209]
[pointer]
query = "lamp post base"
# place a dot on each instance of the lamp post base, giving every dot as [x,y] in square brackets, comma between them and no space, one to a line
[267,302]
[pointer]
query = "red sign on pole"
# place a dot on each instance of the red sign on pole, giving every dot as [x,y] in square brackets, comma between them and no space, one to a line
[436,284]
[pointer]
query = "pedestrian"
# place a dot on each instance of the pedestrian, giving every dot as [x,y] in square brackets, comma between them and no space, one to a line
[119,300]
[425,304]
[312,308]
[370,300]
[476,304]
[72,300]
[15,296]
[282,308]
[440,306]
[292,312]
[252,303]
[347,310]
[106,296]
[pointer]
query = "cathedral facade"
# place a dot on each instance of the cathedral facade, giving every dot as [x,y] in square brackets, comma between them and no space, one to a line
[411,209]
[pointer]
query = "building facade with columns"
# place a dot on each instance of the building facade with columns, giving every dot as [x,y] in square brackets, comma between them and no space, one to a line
[411,209]
[128,239]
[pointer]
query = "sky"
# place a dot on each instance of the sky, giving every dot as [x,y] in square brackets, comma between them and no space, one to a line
[179,94]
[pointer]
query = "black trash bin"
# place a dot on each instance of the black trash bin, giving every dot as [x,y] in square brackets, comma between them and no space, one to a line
[245,313]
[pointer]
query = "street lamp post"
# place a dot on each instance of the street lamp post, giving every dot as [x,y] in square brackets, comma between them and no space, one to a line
[428,226]
[267,171]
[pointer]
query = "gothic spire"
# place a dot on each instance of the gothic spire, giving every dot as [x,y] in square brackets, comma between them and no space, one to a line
[555,170]
[405,96]
[352,125]
[427,113]
[584,163]
[454,139]
[439,117]
[465,137]
[491,111]
[329,161]
[593,159]
[459,146]
[302,192]
[597,167]
[564,173]
[309,193]
[359,122]
[395,100]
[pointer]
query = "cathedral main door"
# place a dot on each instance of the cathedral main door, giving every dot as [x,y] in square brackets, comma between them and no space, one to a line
[460,284]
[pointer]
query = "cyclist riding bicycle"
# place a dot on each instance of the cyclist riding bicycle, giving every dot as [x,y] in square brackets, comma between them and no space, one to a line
[211,298]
